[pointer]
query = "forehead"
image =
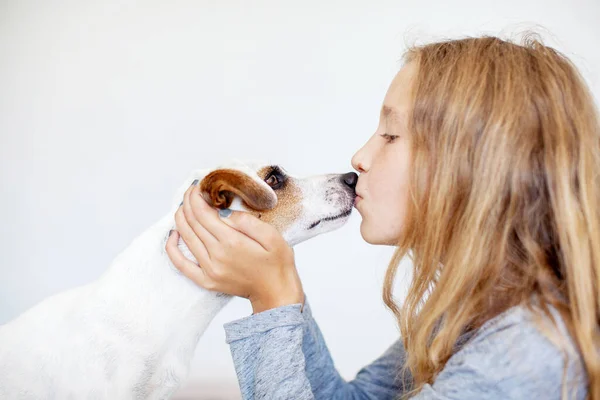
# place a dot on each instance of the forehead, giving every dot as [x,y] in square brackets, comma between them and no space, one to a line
[397,99]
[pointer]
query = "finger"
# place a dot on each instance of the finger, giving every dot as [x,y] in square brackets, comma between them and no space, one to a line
[261,232]
[206,215]
[207,238]
[187,267]
[193,242]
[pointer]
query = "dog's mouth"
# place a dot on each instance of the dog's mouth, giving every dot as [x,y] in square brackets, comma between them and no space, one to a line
[332,218]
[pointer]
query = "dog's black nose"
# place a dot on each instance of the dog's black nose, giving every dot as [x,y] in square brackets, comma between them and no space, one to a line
[350,179]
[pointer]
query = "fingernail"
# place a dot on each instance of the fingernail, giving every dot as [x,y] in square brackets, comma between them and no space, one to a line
[170,232]
[225,213]
[181,204]
[195,182]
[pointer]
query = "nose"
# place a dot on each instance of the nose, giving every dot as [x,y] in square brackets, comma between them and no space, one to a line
[350,179]
[362,158]
[357,163]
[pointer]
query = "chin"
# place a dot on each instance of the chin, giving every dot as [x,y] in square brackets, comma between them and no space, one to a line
[373,236]
[368,235]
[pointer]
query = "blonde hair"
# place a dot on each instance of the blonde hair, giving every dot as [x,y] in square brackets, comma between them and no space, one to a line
[504,198]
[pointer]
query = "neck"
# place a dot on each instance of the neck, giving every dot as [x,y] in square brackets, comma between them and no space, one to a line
[145,287]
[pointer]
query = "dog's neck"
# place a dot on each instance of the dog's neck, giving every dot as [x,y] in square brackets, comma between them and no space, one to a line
[143,279]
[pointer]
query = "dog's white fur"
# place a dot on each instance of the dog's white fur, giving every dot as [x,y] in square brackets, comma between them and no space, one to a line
[132,333]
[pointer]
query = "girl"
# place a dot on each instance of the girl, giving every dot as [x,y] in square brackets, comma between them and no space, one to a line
[485,170]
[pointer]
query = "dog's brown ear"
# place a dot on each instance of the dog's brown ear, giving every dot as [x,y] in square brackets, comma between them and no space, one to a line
[223,185]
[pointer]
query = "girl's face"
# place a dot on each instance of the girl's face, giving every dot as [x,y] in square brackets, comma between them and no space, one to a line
[383,165]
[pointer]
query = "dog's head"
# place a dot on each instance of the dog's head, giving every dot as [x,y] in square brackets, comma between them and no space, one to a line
[299,208]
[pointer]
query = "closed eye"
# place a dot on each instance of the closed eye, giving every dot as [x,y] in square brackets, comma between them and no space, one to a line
[389,138]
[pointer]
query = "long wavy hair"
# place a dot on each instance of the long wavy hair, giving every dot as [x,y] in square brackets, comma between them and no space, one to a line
[504,199]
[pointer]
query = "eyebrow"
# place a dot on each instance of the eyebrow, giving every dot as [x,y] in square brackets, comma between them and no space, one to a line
[391,112]
[394,119]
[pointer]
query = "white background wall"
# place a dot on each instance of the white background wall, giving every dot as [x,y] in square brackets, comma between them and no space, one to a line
[106,106]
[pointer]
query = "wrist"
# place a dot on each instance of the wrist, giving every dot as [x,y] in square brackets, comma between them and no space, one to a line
[286,293]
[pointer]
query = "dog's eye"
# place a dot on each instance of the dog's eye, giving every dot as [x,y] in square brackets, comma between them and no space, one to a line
[274,180]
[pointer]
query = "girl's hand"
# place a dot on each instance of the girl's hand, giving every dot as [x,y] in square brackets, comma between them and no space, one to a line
[239,255]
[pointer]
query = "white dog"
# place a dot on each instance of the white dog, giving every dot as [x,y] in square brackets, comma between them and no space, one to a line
[132,333]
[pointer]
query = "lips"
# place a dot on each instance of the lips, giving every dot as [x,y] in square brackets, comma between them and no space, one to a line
[357,199]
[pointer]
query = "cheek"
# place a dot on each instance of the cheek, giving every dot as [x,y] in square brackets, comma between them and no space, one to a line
[388,195]
[388,181]
[288,210]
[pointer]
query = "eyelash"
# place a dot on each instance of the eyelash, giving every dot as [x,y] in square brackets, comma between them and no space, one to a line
[389,138]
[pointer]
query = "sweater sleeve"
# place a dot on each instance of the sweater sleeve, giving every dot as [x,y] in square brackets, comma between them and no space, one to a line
[281,354]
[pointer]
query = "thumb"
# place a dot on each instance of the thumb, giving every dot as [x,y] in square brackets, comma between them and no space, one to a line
[246,223]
